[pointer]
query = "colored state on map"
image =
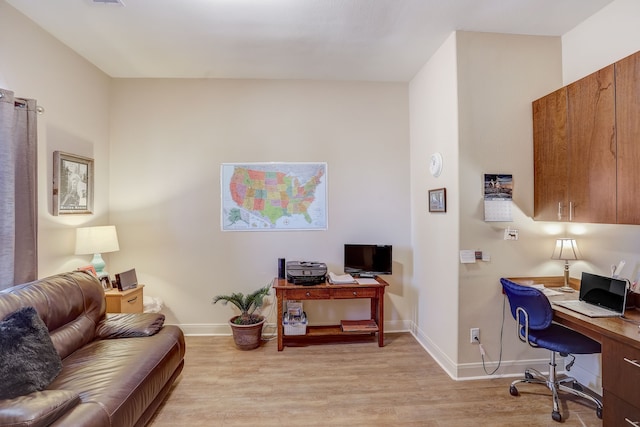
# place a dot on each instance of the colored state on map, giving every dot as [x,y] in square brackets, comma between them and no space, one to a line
[273,194]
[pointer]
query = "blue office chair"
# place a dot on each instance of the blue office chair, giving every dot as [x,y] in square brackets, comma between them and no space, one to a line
[533,314]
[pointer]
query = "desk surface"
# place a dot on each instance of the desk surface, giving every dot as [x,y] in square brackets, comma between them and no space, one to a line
[626,331]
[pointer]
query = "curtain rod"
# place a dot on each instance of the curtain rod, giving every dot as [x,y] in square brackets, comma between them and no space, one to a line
[19,102]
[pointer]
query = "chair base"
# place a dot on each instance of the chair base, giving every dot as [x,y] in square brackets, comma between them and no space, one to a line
[532,376]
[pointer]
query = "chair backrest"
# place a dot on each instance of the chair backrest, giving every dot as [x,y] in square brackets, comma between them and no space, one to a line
[531,300]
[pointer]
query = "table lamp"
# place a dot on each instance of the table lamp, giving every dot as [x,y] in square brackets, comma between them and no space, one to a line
[566,249]
[96,241]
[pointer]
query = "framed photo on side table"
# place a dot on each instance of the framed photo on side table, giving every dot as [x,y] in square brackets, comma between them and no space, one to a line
[72,184]
[438,200]
[106,283]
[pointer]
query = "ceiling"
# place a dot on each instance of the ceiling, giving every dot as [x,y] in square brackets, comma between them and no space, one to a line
[371,40]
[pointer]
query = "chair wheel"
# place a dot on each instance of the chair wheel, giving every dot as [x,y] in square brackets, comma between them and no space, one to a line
[513,391]
[556,416]
[528,375]
[599,412]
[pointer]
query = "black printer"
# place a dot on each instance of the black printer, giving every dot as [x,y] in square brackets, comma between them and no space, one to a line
[306,273]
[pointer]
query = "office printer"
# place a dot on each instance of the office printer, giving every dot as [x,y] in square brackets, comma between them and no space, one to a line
[306,273]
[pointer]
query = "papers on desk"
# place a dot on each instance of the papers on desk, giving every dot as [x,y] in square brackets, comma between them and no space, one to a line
[345,279]
[366,281]
[341,279]
[547,291]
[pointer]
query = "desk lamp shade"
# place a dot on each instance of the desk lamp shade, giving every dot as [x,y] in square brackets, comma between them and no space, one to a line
[96,241]
[566,250]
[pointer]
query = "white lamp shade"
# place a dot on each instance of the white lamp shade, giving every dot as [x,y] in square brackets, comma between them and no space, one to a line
[96,240]
[566,249]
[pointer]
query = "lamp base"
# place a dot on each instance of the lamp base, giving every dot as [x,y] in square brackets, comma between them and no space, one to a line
[567,289]
[99,264]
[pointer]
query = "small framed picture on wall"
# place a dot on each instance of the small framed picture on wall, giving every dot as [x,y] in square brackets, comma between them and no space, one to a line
[438,200]
[72,184]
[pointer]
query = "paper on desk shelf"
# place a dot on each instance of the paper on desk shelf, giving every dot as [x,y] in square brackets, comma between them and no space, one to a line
[548,292]
[366,281]
[341,279]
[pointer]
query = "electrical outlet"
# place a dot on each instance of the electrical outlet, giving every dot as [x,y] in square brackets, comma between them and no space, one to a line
[474,334]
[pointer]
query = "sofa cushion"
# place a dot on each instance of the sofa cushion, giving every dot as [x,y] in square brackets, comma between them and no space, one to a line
[39,408]
[117,379]
[70,304]
[28,360]
[122,325]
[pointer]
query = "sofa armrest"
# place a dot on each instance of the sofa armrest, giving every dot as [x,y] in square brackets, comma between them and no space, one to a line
[36,409]
[116,325]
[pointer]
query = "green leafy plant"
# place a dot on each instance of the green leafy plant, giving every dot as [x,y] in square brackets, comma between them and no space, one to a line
[249,305]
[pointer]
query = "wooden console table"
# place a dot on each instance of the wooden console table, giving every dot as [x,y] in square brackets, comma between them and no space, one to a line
[325,291]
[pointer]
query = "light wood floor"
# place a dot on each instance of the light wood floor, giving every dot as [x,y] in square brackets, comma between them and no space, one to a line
[346,385]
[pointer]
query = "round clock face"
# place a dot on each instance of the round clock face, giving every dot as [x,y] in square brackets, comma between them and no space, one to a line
[435,165]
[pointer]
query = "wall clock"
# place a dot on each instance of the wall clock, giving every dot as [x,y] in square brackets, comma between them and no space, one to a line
[435,164]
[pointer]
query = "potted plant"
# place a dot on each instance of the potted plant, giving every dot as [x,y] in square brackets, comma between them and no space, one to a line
[247,326]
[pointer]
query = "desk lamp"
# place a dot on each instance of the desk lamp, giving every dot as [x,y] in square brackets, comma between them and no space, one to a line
[96,241]
[566,249]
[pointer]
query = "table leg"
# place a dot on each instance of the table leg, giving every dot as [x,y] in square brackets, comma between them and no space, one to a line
[280,331]
[377,313]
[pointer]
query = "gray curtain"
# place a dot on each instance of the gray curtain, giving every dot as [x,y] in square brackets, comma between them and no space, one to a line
[18,190]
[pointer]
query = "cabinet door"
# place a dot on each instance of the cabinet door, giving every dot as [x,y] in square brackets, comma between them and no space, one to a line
[591,156]
[628,133]
[550,157]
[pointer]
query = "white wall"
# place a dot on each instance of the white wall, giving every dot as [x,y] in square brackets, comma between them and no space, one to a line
[75,96]
[499,76]
[434,128]
[472,102]
[168,140]
[604,38]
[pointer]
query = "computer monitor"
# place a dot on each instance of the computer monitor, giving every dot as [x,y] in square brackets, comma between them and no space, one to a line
[367,260]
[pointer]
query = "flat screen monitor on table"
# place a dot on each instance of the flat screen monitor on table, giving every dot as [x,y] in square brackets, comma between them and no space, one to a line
[367,260]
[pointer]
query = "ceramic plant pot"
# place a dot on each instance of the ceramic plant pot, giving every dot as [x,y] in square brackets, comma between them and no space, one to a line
[247,337]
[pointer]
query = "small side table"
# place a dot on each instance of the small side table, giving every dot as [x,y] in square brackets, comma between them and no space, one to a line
[129,301]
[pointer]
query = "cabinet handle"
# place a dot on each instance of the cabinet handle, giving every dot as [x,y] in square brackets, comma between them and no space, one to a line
[570,211]
[308,294]
[132,300]
[633,423]
[633,362]
[355,294]
[559,211]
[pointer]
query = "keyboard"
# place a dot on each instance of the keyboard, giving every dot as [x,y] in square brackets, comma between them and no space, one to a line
[587,309]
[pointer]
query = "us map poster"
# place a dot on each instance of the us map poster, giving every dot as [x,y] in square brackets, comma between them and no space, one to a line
[273,196]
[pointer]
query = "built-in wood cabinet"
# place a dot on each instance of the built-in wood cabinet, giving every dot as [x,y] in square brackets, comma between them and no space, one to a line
[620,383]
[586,148]
[628,137]
[551,175]
[591,138]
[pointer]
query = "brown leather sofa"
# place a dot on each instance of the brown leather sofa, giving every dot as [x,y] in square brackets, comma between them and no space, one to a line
[116,368]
